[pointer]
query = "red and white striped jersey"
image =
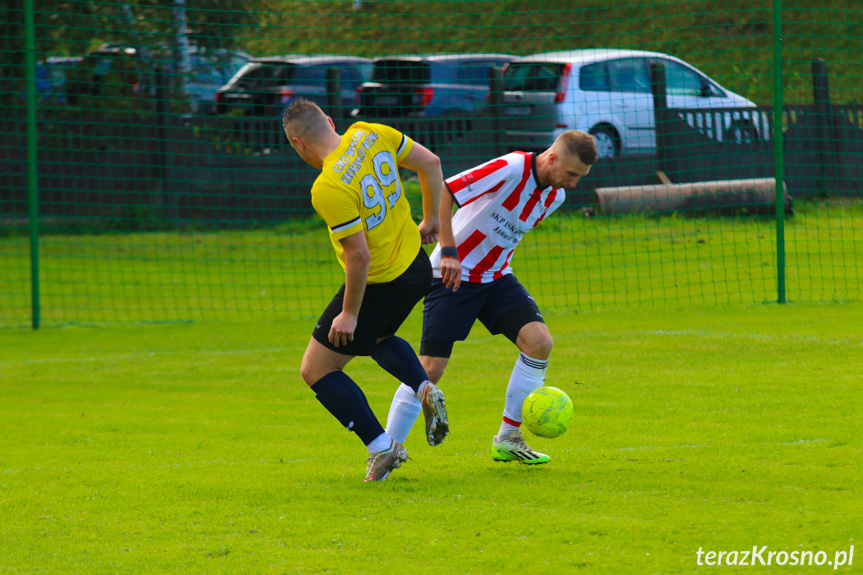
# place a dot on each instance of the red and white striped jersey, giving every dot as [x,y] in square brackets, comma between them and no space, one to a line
[498,202]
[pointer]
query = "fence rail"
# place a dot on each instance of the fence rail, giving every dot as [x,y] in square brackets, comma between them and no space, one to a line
[183,169]
[222,201]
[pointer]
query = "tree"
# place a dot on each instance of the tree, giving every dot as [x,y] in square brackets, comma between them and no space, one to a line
[64,28]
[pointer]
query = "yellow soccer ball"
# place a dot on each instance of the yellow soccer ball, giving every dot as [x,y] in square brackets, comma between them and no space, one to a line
[547,412]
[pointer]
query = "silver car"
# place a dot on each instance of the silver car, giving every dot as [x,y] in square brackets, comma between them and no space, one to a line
[608,94]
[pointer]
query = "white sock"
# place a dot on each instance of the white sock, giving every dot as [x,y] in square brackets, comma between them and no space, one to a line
[381,443]
[527,375]
[404,411]
[420,390]
[507,428]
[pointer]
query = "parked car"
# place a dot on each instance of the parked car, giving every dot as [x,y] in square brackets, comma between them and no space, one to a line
[122,70]
[266,86]
[607,93]
[112,70]
[52,75]
[209,71]
[430,85]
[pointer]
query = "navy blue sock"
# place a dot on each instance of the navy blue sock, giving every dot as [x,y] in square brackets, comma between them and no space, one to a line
[346,401]
[398,358]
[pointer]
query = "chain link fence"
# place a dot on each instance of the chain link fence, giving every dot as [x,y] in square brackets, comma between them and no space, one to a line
[144,176]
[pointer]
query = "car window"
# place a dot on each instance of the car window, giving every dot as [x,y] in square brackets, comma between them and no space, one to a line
[350,77]
[314,75]
[474,73]
[532,77]
[267,74]
[226,70]
[594,77]
[629,75]
[443,72]
[102,66]
[681,81]
[225,73]
[714,91]
[214,67]
[203,71]
[401,71]
[365,70]
[516,76]
[57,75]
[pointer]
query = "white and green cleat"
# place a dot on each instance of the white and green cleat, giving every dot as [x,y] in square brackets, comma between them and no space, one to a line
[380,465]
[512,447]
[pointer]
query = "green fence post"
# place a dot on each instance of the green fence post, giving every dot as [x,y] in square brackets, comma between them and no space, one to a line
[660,112]
[824,118]
[334,98]
[495,107]
[778,150]
[32,181]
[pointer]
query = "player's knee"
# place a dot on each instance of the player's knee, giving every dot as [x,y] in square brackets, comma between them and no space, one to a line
[308,376]
[544,345]
[539,345]
[434,367]
[309,372]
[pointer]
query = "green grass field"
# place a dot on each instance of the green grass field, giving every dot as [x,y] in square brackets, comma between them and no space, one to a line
[570,263]
[196,448]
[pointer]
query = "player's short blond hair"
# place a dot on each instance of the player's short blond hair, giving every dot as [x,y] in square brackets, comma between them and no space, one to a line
[305,120]
[577,143]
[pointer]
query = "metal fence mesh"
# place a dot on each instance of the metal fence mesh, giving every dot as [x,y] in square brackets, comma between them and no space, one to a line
[144,175]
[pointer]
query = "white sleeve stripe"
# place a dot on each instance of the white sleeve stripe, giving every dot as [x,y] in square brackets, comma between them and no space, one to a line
[343,227]
[455,199]
[403,145]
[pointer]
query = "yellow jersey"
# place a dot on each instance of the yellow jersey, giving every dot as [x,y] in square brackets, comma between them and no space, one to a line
[359,190]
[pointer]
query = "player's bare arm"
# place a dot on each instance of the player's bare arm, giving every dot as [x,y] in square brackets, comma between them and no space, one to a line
[357,260]
[450,264]
[427,166]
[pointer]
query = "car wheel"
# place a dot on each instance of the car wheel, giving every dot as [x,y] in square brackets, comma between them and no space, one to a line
[741,133]
[606,142]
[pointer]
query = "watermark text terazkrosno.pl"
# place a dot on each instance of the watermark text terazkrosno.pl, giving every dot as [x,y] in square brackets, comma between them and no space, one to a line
[758,556]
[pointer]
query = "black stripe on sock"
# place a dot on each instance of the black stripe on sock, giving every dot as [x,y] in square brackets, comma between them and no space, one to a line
[534,363]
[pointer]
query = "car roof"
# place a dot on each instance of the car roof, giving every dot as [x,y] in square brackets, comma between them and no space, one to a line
[61,60]
[591,55]
[196,50]
[116,48]
[314,59]
[443,57]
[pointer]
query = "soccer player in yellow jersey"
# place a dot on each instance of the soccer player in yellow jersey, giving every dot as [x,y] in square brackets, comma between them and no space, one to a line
[361,198]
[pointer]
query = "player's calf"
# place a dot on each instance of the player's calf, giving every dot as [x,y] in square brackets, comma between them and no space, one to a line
[398,358]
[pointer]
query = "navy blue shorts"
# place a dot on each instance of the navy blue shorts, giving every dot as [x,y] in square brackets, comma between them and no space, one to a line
[503,306]
[385,307]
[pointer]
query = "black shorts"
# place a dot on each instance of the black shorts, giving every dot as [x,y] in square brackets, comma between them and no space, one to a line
[503,306]
[385,307]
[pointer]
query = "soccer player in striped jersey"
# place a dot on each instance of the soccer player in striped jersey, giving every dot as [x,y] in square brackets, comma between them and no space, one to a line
[498,202]
[360,197]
